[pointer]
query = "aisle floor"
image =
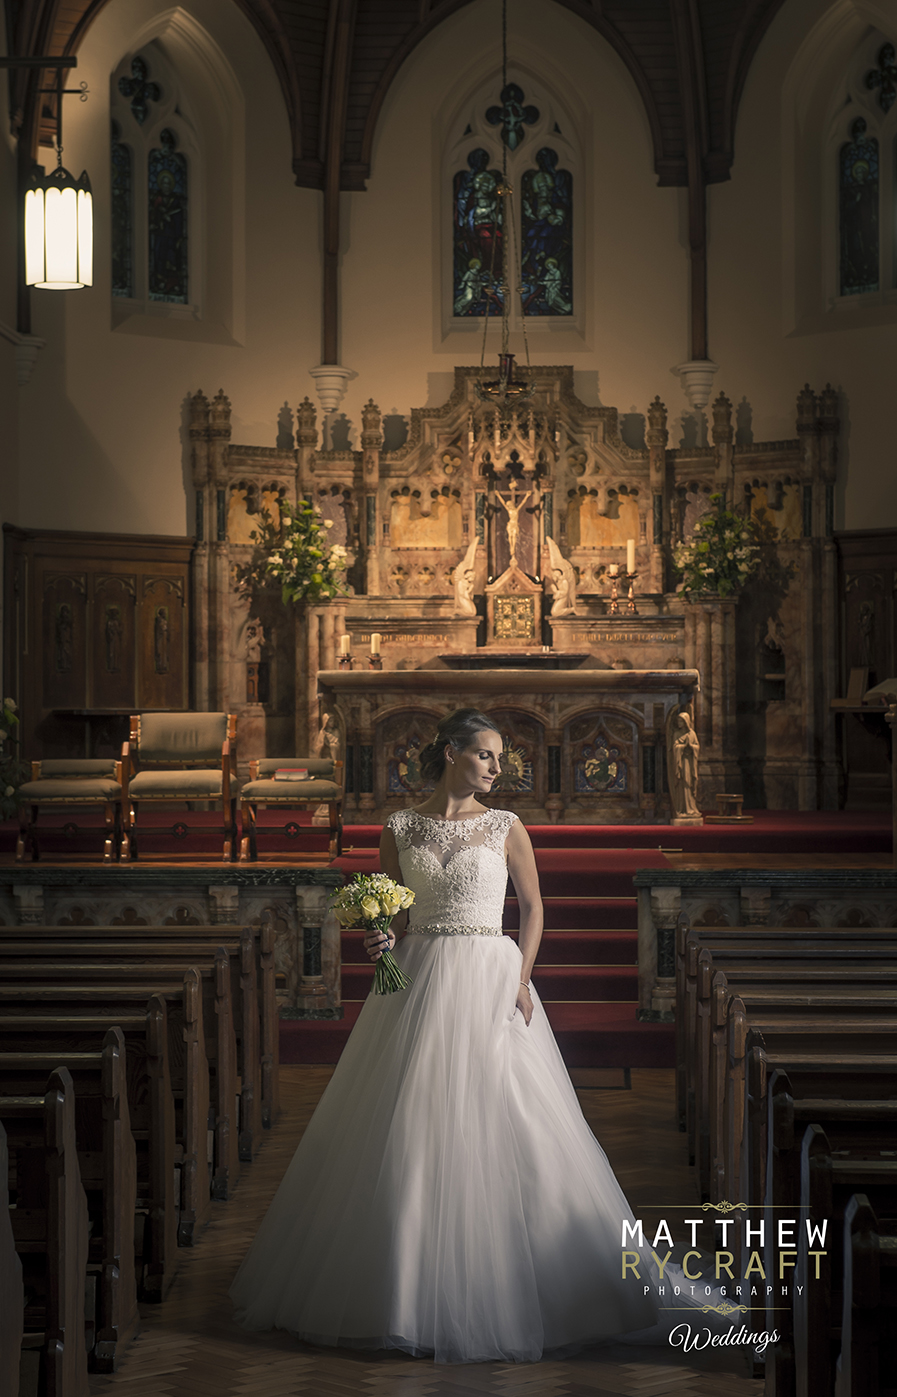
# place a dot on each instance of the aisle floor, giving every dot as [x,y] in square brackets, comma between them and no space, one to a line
[189,1346]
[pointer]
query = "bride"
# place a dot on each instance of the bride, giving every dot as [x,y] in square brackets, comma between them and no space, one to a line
[448,1198]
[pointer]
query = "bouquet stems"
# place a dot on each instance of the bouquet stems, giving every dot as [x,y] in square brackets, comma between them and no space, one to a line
[388,977]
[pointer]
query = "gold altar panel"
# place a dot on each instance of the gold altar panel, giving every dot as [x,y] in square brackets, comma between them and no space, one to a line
[588,528]
[522,763]
[240,522]
[418,522]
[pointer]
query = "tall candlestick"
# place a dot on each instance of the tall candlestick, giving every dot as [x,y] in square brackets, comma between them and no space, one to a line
[630,555]
[345,645]
[375,642]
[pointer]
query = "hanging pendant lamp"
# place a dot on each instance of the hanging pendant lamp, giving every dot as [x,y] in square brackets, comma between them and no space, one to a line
[59,230]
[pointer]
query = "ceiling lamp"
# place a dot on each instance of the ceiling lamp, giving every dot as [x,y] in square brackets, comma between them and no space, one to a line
[59,230]
[505,391]
[58,208]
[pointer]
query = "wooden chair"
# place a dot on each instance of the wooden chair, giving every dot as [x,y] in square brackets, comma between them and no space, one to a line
[69,786]
[324,786]
[183,757]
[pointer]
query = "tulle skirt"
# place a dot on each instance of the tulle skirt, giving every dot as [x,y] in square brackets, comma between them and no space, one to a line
[448,1197]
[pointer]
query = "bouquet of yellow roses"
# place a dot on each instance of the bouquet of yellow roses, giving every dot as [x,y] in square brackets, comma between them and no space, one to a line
[372,900]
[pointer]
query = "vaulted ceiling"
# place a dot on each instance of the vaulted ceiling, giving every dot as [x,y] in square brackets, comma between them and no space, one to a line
[335,61]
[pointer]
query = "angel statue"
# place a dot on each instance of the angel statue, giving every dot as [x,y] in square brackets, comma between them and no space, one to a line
[562,581]
[463,581]
[683,753]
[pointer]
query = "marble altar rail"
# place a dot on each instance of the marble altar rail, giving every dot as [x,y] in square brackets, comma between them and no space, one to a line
[307,949]
[582,746]
[799,897]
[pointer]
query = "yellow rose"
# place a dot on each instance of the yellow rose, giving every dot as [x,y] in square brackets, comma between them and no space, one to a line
[390,904]
[370,907]
[407,897]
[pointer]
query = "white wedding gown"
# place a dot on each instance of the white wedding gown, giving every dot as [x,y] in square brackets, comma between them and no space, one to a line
[448,1197]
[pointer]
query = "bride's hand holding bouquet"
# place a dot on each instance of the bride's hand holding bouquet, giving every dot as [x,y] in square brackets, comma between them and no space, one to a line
[371,900]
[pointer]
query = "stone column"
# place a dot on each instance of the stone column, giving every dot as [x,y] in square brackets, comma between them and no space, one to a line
[219,580]
[722,442]
[306,446]
[659,520]
[371,442]
[204,525]
[658,914]
[714,658]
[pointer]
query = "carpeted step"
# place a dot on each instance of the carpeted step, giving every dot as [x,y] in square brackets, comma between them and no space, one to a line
[584,946]
[589,1035]
[576,983]
[610,1035]
[564,912]
[554,982]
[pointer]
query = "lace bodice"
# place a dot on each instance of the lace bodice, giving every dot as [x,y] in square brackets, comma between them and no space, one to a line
[456,869]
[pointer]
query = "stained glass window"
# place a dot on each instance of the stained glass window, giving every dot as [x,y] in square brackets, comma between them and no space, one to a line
[167,220]
[122,216]
[547,237]
[858,193]
[477,238]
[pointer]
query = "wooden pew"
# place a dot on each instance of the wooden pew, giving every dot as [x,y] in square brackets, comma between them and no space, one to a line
[799,1041]
[869,1304]
[150,1101]
[108,1165]
[191,1140]
[120,985]
[50,1227]
[145,937]
[827,1184]
[802,997]
[243,995]
[854,944]
[839,954]
[12,1291]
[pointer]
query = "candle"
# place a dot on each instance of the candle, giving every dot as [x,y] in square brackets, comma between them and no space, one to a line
[375,642]
[614,569]
[345,645]
[630,555]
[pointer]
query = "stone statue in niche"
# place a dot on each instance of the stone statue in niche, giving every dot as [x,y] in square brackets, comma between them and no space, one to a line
[255,639]
[64,638]
[160,640]
[683,754]
[463,582]
[328,742]
[112,637]
[513,511]
[561,581]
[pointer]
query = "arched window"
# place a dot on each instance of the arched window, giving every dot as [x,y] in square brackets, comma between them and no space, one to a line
[167,221]
[526,132]
[858,226]
[864,137]
[154,148]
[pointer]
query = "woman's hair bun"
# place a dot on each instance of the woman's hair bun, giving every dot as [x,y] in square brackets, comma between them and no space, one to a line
[456,730]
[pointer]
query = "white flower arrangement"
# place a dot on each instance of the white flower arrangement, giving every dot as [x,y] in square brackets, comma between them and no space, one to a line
[721,555]
[296,555]
[372,900]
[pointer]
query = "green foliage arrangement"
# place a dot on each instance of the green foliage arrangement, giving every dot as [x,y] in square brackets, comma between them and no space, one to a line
[12,771]
[296,554]
[372,900]
[722,553]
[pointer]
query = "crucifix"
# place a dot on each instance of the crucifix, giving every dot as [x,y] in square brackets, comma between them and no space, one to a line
[513,512]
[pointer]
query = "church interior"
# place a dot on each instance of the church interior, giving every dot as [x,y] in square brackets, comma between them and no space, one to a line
[521,355]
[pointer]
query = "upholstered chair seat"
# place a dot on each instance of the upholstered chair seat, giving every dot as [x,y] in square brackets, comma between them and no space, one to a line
[322,786]
[175,757]
[70,783]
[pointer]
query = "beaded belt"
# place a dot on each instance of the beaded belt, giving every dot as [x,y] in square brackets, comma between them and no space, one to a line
[438,929]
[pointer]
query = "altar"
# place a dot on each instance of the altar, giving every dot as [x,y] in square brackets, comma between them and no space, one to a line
[580,746]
